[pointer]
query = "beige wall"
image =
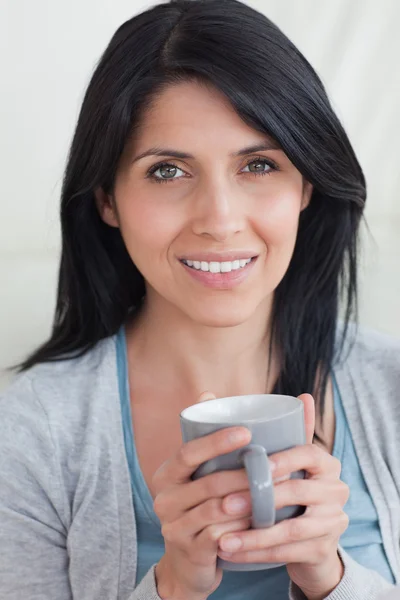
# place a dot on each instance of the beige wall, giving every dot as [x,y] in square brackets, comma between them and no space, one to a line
[48,52]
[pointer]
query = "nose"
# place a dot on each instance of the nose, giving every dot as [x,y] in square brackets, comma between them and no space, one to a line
[218,211]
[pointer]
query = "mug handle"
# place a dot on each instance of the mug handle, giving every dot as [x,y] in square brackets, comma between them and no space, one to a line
[256,463]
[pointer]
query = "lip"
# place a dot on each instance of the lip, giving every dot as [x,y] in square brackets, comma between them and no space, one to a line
[219,256]
[220,280]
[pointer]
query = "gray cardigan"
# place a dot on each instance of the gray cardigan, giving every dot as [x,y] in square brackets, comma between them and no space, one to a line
[67,523]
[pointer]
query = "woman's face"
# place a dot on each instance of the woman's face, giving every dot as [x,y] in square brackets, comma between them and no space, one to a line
[216,205]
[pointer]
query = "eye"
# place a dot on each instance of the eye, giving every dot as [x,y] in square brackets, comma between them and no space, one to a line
[168,170]
[260,163]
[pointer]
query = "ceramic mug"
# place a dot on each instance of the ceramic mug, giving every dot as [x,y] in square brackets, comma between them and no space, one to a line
[276,423]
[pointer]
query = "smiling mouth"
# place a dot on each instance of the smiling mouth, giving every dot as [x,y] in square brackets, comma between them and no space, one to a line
[218,267]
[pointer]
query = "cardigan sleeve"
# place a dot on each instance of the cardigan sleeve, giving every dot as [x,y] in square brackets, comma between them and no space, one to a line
[357,583]
[147,588]
[33,540]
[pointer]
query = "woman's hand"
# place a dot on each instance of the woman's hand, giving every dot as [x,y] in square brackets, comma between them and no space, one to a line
[308,543]
[192,516]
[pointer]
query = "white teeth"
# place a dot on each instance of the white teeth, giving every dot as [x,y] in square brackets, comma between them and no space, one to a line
[218,267]
[226,267]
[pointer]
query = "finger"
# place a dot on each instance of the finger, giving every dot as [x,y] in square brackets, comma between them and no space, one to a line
[173,501]
[311,492]
[309,416]
[187,533]
[234,485]
[287,531]
[322,510]
[208,514]
[207,540]
[298,552]
[316,461]
[301,492]
[192,454]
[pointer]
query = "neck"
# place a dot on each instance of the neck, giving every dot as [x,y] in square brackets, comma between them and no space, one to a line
[172,353]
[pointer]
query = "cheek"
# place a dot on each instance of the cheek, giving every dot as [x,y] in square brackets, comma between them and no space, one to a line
[277,222]
[148,229]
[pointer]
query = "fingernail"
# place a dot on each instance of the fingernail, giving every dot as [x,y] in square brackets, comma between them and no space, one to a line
[237,505]
[223,554]
[206,396]
[230,543]
[272,465]
[238,435]
[283,478]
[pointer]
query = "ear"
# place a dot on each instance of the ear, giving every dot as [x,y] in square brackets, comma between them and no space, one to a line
[307,193]
[106,207]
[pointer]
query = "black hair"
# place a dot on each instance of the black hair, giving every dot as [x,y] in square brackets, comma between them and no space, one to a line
[275,90]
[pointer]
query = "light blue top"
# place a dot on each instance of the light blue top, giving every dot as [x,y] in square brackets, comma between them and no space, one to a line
[362,539]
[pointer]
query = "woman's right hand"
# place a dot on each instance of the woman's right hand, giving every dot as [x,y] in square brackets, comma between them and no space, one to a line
[195,514]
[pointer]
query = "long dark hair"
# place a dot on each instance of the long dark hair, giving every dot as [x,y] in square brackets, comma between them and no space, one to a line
[275,90]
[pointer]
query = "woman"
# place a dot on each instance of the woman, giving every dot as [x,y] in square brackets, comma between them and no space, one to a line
[226,280]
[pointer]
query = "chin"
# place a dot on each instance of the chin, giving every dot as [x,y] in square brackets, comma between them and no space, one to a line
[223,316]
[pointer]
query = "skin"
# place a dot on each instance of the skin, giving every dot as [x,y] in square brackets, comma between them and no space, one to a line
[189,338]
[218,206]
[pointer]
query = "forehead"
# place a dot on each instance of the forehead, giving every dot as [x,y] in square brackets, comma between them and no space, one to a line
[195,112]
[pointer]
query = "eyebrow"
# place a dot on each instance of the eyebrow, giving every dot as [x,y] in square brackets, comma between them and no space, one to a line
[156,151]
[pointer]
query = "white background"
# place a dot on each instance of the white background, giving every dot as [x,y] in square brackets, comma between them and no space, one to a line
[48,50]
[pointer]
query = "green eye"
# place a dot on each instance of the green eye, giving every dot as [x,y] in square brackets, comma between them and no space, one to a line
[169,166]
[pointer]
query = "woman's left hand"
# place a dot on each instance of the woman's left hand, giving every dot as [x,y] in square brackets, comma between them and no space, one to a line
[308,543]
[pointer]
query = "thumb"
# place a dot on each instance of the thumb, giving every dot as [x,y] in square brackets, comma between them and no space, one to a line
[309,415]
[206,396]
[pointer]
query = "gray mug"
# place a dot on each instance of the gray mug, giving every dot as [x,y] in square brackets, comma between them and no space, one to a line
[276,423]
